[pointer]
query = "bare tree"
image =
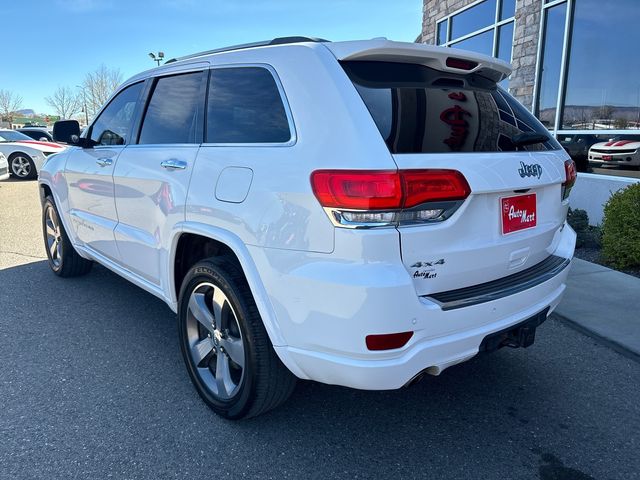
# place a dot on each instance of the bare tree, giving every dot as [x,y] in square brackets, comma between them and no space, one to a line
[65,102]
[99,85]
[605,112]
[9,103]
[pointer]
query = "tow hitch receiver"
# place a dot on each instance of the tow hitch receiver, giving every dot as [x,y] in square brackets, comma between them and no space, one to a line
[521,335]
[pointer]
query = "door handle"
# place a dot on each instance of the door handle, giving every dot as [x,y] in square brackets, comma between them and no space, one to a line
[174,164]
[104,162]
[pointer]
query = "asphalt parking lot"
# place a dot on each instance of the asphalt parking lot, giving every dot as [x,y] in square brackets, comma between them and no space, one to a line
[92,386]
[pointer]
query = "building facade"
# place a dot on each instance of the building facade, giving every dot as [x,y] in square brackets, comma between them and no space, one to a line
[575,62]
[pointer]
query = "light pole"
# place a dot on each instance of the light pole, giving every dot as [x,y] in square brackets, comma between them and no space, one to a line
[84,101]
[157,57]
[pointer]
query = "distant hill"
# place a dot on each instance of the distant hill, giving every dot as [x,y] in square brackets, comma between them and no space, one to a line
[26,112]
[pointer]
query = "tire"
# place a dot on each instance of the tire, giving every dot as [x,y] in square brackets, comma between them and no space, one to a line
[217,314]
[21,166]
[64,261]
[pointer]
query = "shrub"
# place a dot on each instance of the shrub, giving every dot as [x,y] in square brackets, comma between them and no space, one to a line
[621,228]
[587,236]
[578,220]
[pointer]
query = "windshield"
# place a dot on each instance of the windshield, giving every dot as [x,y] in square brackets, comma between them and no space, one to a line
[418,109]
[11,136]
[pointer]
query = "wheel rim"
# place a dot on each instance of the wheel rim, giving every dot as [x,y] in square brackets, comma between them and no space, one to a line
[54,239]
[215,340]
[20,166]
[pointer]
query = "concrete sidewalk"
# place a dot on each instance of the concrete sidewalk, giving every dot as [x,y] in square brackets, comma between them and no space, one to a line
[603,303]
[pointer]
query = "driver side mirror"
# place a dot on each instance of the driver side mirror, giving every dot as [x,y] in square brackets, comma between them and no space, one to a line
[66,131]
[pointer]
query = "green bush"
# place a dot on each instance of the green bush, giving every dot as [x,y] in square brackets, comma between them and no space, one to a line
[587,236]
[578,219]
[621,228]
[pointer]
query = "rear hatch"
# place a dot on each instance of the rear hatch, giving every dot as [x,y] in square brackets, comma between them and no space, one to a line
[446,118]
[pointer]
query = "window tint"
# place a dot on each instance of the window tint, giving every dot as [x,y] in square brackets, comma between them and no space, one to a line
[32,134]
[12,136]
[114,124]
[245,107]
[175,111]
[421,110]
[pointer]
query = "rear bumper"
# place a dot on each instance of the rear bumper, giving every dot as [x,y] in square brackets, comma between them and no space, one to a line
[433,355]
[325,337]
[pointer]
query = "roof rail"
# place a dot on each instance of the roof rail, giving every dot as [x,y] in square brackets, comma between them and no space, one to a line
[265,43]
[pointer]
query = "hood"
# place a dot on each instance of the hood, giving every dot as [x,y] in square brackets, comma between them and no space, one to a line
[618,144]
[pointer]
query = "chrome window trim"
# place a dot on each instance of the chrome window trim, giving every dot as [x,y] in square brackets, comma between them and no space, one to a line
[283,98]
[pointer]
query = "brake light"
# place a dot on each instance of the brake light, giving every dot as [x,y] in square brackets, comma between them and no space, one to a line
[389,197]
[362,190]
[388,341]
[571,174]
[421,186]
[461,64]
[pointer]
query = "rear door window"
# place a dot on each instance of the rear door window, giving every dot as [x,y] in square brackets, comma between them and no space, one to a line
[418,109]
[245,106]
[175,111]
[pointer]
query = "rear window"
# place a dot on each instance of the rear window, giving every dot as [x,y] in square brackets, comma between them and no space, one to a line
[245,106]
[418,109]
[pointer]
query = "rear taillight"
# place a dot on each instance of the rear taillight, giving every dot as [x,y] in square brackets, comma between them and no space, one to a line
[571,174]
[361,198]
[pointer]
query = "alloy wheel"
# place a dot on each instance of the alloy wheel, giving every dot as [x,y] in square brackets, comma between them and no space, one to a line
[215,341]
[21,166]
[54,236]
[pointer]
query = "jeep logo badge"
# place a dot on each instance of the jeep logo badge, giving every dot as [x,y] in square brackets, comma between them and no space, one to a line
[534,170]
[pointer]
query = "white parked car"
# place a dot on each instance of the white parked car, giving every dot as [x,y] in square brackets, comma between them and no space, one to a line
[621,150]
[4,167]
[24,154]
[356,213]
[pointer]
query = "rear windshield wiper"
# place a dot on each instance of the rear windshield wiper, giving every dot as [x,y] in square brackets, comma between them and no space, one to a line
[529,138]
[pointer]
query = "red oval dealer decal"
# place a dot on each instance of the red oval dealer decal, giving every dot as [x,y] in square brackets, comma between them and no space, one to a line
[518,213]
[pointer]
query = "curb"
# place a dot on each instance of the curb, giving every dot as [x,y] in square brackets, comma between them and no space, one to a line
[618,347]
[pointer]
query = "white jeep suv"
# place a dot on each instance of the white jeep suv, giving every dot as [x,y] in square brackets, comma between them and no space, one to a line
[355,213]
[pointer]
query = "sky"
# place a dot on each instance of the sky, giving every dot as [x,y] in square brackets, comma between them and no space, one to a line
[59,41]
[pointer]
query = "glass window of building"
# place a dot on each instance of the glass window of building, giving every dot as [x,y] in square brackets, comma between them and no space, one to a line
[473,19]
[507,9]
[481,43]
[603,71]
[551,63]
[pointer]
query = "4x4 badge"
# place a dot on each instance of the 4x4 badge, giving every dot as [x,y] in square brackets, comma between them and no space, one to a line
[534,170]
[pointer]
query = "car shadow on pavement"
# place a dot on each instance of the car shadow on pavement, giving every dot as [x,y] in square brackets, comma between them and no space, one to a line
[92,374]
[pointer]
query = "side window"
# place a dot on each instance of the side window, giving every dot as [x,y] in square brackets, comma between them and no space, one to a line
[175,111]
[114,123]
[245,106]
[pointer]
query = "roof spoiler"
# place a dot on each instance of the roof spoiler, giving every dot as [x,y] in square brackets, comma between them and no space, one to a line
[441,58]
